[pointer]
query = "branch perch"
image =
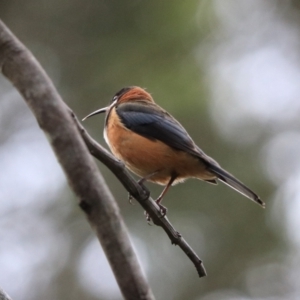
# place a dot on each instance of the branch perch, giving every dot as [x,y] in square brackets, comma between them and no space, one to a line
[3,295]
[140,194]
[55,118]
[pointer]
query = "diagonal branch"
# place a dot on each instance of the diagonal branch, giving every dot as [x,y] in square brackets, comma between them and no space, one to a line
[140,194]
[20,67]
[3,295]
[54,117]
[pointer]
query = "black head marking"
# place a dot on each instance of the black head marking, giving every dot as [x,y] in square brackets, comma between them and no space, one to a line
[120,93]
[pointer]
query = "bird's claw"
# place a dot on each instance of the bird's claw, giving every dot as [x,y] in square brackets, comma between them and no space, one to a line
[163,210]
[130,198]
[148,218]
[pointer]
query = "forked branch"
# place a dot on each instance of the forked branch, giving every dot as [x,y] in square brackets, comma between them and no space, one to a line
[55,118]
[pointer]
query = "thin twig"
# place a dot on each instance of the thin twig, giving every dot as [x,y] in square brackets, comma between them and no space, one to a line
[140,194]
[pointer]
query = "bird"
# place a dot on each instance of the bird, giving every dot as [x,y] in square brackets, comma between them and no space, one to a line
[156,147]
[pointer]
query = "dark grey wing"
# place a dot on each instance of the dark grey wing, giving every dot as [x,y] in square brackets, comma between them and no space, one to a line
[154,123]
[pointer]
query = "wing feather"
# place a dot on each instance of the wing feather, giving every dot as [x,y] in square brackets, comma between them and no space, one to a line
[155,123]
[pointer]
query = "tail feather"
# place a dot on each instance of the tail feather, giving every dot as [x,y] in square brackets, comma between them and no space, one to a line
[234,183]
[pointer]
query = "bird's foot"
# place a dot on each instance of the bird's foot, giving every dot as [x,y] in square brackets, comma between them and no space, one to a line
[163,211]
[162,208]
[148,218]
[130,198]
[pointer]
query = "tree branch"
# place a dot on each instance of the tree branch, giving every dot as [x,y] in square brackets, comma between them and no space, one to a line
[29,86]
[140,194]
[3,295]
[53,116]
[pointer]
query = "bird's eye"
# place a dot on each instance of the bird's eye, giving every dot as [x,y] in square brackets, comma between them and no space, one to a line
[115,98]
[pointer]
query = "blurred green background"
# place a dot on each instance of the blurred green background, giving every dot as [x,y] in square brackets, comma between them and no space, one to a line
[229,71]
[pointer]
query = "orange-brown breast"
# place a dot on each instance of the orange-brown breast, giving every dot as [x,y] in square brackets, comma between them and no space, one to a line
[144,156]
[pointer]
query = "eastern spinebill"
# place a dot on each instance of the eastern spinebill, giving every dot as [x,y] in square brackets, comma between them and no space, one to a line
[156,147]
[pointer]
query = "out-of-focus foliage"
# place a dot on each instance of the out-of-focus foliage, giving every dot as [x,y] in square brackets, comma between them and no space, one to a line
[229,71]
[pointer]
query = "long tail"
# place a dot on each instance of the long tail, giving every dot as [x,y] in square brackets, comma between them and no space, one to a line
[234,183]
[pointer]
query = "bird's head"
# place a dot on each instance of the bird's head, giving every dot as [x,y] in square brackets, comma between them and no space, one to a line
[127,94]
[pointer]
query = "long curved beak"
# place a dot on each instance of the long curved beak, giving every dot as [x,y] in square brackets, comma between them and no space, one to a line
[99,111]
